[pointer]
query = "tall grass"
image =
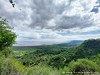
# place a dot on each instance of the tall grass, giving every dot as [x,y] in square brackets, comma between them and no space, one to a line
[10,66]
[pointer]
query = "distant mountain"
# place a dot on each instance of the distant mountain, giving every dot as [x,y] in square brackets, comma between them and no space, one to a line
[76,42]
[72,43]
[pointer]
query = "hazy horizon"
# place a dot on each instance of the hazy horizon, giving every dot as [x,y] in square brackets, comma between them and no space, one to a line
[39,43]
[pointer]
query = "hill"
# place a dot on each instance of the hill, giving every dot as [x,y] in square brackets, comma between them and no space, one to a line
[91,43]
[60,55]
[88,48]
[80,58]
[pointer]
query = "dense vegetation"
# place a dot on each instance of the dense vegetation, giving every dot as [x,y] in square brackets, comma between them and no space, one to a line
[59,59]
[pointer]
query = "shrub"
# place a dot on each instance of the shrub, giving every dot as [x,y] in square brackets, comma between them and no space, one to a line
[83,65]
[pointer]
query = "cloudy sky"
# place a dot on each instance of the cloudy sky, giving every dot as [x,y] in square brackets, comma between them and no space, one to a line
[52,21]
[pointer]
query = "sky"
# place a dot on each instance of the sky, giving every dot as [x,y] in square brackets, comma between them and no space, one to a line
[39,22]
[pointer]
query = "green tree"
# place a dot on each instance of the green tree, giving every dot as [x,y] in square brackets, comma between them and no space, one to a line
[7,37]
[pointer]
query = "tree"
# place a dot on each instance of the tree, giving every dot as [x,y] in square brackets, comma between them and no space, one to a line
[7,37]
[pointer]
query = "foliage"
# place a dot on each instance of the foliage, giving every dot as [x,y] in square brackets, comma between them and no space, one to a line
[88,48]
[40,56]
[10,66]
[96,59]
[83,65]
[7,52]
[7,37]
[91,43]
[57,56]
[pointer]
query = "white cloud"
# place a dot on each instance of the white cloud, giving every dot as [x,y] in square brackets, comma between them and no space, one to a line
[43,19]
[62,14]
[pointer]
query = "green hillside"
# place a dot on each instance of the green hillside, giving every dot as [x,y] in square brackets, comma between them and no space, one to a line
[53,59]
[61,57]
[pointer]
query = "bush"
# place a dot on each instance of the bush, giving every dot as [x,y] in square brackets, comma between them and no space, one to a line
[96,59]
[7,52]
[83,65]
[10,66]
